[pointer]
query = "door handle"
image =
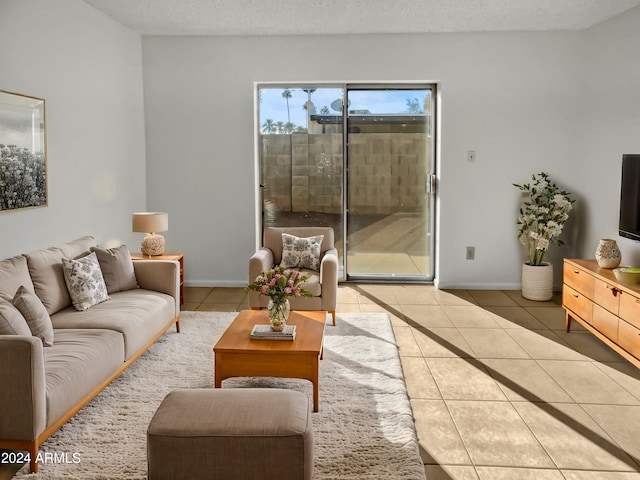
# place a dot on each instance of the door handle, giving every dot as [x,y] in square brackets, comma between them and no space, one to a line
[431,183]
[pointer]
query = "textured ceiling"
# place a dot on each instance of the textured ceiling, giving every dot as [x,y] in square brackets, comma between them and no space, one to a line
[301,17]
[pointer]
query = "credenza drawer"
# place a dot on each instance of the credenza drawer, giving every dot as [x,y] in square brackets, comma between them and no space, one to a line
[606,295]
[629,338]
[605,322]
[577,303]
[579,280]
[630,309]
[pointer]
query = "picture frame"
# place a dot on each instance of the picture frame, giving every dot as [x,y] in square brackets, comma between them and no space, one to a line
[23,152]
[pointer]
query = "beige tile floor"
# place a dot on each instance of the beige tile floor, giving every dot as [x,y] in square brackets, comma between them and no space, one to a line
[499,390]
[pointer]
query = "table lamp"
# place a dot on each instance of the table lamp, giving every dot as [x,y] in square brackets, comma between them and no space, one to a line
[151,223]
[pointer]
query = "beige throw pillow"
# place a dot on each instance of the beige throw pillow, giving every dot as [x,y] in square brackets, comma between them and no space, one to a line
[301,252]
[84,281]
[11,320]
[45,268]
[35,314]
[117,268]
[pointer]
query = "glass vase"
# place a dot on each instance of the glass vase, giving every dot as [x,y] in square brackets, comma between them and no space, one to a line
[278,314]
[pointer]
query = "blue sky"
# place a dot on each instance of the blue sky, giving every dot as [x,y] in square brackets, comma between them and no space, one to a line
[274,106]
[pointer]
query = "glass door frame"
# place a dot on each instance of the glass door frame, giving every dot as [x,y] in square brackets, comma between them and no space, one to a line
[431,175]
[430,187]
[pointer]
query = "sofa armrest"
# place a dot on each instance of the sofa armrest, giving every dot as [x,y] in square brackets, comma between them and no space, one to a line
[261,261]
[23,393]
[329,281]
[160,276]
[329,267]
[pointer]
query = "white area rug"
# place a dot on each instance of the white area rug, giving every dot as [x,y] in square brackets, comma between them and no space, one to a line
[364,429]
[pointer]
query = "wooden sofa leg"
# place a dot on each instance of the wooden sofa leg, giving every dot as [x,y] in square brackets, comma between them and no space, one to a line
[333,316]
[33,452]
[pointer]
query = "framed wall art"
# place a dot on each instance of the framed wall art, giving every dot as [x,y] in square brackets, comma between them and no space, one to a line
[23,155]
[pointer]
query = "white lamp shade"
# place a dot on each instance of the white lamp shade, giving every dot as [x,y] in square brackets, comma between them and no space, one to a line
[150,222]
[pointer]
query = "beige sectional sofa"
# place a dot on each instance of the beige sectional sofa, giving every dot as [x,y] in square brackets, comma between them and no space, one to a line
[44,386]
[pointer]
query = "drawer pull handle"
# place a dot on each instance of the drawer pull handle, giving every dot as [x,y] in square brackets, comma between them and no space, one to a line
[577,272]
[614,291]
[575,295]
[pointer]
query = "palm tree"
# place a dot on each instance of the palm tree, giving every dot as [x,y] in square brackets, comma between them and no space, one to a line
[325,110]
[286,94]
[268,126]
[280,127]
[309,92]
[413,106]
[289,127]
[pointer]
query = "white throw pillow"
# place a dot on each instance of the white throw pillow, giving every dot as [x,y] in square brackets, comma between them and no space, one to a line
[84,281]
[301,252]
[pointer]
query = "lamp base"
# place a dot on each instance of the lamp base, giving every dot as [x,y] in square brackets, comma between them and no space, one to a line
[153,244]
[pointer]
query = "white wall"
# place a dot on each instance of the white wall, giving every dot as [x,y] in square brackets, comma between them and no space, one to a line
[611,127]
[88,68]
[566,103]
[512,97]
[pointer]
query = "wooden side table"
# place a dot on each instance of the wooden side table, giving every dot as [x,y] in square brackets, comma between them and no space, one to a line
[176,256]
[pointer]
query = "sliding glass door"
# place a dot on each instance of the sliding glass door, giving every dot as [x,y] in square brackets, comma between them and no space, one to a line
[301,157]
[389,165]
[370,186]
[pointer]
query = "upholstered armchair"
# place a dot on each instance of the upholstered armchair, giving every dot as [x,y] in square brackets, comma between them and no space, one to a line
[322,283]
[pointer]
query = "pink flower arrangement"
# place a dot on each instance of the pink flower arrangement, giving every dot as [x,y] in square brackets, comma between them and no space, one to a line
[279,284]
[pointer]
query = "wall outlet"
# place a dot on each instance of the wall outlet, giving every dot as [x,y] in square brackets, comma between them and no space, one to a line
[471,155]
[471,253]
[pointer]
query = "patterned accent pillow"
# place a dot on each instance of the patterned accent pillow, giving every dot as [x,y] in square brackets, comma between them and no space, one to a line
[301,252]
[84,281]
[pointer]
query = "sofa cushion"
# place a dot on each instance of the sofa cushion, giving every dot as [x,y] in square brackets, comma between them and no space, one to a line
[11,320]
[84,281]
[79,361]
[45,268]
[117,268]
[312,284]
[77,248]
[35,314]
[14,273]
[273,238]
[138,315]
[301,252]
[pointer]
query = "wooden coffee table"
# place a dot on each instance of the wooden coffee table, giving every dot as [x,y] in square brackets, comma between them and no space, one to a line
[237,355]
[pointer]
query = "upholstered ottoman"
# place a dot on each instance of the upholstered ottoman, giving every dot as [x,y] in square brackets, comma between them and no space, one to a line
[244,433]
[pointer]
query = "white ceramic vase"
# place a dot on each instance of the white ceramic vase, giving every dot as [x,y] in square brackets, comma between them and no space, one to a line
[608,254]
[537,282]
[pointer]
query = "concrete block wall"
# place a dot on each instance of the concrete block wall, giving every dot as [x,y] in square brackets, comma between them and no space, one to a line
[303,172]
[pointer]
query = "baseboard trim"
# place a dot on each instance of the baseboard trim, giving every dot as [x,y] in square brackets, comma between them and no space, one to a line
[215,283]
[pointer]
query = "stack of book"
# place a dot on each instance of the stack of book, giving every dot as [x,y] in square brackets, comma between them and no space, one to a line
[264,332]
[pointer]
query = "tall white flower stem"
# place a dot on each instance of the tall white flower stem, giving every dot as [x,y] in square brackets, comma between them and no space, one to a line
[542,215]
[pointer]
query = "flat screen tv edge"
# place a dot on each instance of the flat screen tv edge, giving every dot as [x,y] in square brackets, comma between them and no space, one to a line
[629,225]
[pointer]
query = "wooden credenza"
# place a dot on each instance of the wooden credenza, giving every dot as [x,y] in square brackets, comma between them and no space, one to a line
[605,307]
